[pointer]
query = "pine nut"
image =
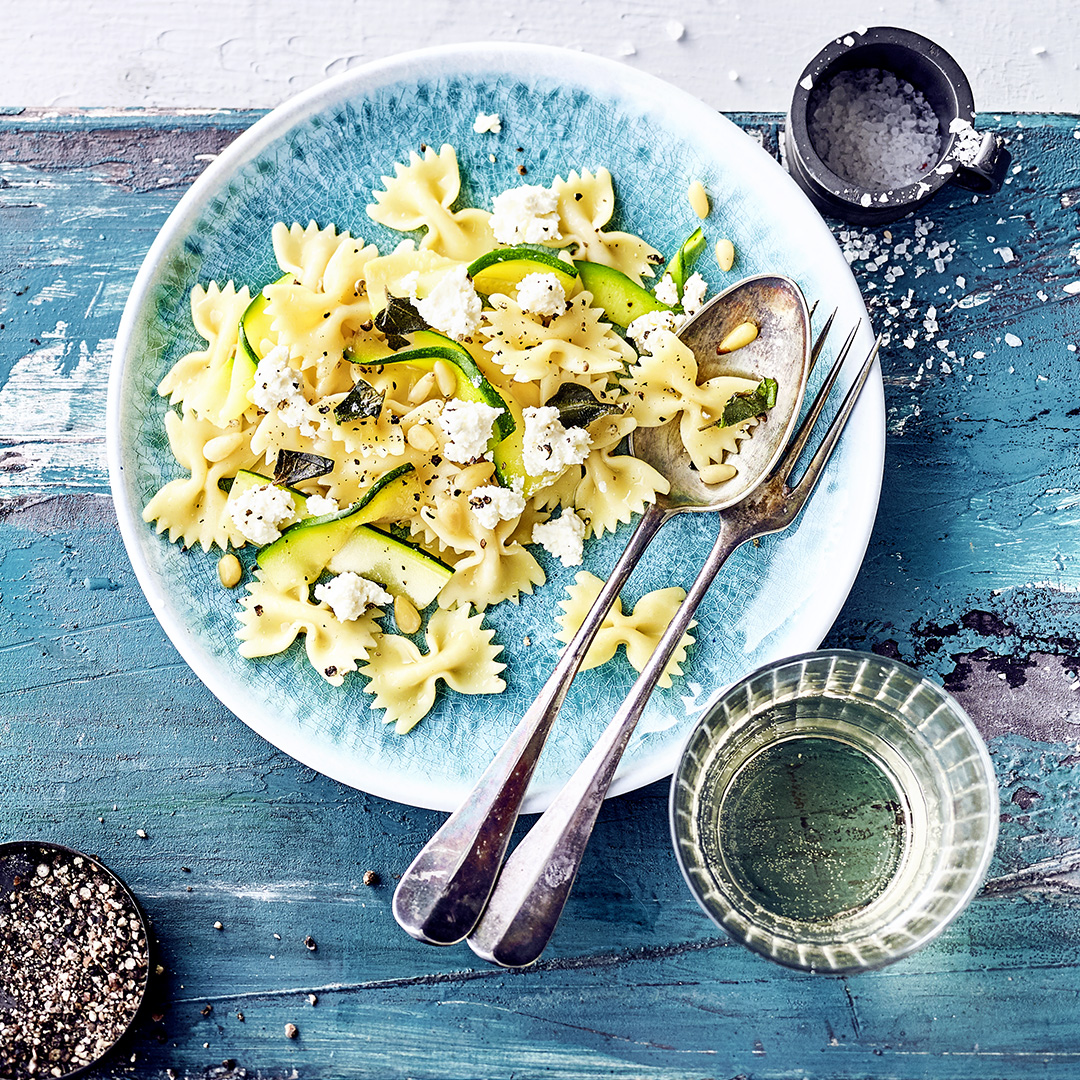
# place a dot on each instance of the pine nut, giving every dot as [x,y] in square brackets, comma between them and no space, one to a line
[447,380]
[473,476]
[716,474]
[229,570]
[699,200]
[422,390]
[420,437]
[405,615]
[725,255]
[742,335]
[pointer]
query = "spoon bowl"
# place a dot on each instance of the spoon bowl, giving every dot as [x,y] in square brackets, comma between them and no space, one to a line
[781,351]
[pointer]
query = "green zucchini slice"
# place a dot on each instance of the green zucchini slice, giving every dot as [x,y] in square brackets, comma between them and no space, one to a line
[399,567]
[623,300]
[502,270]
[427,346]
[303,550]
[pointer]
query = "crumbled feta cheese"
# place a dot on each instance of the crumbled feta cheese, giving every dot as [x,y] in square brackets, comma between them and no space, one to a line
[486,122]
[453,306]
[541,294]
[526,215]
[1013,341]
[563,537]
[644,326]
[493,504]
[317,505]
[666,292]
[693,293]
[467,425]
[259,513]
[550,447]
[277,389]
[350,595]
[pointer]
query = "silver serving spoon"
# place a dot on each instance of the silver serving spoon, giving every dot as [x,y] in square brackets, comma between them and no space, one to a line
[442,894]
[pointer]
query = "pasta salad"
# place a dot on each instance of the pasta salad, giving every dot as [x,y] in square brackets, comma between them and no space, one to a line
[395,432]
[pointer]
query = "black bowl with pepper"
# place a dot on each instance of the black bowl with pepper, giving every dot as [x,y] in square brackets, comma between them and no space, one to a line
[74,960]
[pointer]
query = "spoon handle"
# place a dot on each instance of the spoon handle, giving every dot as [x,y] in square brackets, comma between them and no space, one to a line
[440,897]
[536,880]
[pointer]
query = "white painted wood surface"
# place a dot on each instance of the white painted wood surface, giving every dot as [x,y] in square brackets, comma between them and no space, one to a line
[734,54]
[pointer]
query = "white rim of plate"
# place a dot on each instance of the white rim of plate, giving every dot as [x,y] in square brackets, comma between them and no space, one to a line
[592,72]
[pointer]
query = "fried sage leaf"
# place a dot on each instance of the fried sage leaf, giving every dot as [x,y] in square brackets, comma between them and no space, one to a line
[747,404]
[362,402]
[294,467]
[578,407]
[397,319]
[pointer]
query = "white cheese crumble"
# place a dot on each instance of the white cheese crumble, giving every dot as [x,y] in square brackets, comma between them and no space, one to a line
[693,293]
[350,595]
[541,294]
[453,306]
[550,447]
[644,326]
[493,504]
[277,389]
[564,537]
[259,513]
[317,505]
[487,122]
[666,291]
[467,426]
[526,215]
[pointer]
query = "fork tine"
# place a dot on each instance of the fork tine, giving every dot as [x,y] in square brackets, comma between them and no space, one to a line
[806,483]
[819,344]
[798,443]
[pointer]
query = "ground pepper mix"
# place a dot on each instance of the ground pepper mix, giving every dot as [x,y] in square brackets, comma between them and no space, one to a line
[73,961]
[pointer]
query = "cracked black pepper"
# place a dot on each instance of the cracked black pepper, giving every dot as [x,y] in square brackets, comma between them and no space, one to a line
[73,961]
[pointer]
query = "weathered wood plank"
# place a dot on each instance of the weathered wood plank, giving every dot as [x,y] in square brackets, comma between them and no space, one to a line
[971,574]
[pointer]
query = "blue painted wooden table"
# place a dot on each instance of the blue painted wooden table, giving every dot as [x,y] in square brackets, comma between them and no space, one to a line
[971,575]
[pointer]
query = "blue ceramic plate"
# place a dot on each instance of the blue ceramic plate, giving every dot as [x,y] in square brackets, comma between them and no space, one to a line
[319,157]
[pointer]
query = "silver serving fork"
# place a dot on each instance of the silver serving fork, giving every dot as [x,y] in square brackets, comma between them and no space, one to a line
[536,879]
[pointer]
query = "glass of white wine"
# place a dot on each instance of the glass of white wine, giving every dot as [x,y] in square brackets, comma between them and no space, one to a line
[834,811]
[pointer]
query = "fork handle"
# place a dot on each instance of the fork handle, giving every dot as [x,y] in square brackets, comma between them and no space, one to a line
[440,897]
[536,880]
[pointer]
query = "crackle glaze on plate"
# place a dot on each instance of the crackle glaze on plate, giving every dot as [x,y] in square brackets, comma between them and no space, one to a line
[319,157]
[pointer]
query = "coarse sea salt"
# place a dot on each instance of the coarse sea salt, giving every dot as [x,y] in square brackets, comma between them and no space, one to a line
[874,129]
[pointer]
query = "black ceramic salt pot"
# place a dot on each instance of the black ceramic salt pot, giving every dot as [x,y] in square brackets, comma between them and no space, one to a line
[976,161]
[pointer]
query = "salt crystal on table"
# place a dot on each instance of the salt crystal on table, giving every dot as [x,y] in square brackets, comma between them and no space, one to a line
[873,129]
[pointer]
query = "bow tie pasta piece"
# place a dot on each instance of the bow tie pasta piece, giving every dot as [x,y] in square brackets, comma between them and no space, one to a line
[615,486]
[203,381]
[460,653]
[419,196]
[494,567]
[317,312]
[586,203]
[662,386]
[640,631]
[549,351]
[193,508]
[271,620]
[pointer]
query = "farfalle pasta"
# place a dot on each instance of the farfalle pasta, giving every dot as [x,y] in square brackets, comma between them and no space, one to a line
[395,431]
